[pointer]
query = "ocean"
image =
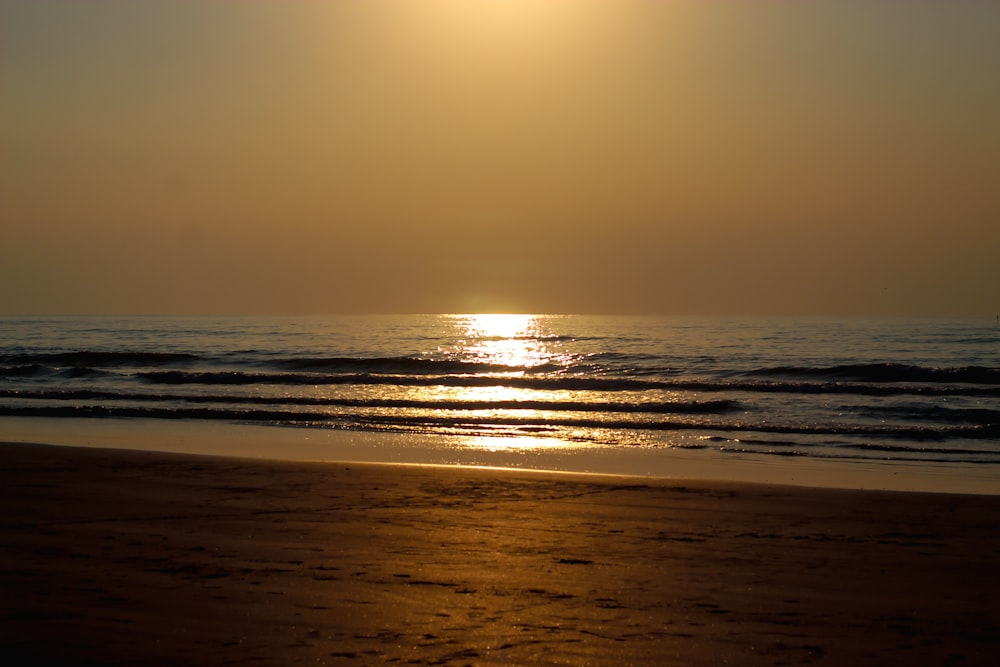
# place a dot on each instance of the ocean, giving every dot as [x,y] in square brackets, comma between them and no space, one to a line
[854,390]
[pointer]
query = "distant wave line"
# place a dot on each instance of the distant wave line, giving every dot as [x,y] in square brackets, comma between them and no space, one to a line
[563,382]
[98,358]
[888,372]
[669,407]
[366,422]
[862,446]
[25,364]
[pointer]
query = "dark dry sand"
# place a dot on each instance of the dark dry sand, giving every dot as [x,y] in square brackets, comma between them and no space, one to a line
[115,557]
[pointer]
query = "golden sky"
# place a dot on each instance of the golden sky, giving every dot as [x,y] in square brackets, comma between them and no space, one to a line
[591,156]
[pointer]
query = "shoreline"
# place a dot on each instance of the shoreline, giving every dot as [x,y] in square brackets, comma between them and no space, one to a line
[281,443]
[115,557]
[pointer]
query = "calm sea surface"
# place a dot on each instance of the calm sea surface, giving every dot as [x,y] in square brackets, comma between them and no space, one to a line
[846,389]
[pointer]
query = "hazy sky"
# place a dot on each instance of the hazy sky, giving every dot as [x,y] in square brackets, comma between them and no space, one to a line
[620,156]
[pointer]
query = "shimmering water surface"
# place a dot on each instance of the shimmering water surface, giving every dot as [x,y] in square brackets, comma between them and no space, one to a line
[846,389]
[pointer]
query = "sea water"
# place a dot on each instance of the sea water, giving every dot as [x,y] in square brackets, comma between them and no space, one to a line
[893,391]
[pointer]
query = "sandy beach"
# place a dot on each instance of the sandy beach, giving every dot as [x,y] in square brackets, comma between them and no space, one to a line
[111,557]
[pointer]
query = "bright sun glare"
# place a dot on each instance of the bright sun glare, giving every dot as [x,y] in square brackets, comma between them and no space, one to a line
[519,342]
[505,340]
[501,326]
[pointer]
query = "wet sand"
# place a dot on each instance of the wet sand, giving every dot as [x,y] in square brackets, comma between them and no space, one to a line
[112,557]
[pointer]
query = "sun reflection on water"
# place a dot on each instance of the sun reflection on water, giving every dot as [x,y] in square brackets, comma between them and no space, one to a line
[516,443]
[512,345]
[515,341]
